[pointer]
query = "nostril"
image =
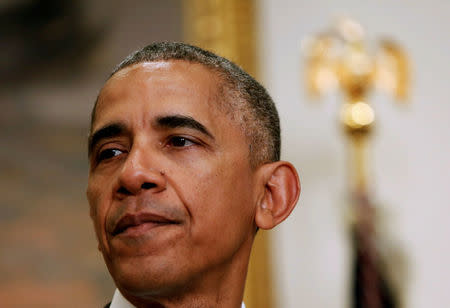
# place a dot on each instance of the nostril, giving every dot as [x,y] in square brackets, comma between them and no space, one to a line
[148,185]
[123,190]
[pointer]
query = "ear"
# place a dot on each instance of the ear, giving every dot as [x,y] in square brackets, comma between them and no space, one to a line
[280,187]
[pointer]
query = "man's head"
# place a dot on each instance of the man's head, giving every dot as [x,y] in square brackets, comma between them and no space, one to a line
[183,169]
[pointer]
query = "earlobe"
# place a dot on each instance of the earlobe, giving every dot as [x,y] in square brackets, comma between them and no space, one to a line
[281,193]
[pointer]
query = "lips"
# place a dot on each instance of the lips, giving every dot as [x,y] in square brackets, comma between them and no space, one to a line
[140,222]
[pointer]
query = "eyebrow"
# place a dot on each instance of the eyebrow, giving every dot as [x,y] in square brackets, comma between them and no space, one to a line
[176,121]
[171,121]
[107,131]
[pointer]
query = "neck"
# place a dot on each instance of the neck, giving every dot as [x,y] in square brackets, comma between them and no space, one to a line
[222,286]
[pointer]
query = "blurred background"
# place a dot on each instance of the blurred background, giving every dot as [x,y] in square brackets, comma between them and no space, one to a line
[56,55]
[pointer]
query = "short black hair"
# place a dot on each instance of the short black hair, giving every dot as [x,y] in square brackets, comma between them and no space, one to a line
[247,99]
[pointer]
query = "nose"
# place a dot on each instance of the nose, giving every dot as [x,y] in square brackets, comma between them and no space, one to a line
[139,173]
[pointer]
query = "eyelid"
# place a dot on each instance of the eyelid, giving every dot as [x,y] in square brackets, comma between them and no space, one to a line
[190,139]
[107,145]
[106,150]
[114,143]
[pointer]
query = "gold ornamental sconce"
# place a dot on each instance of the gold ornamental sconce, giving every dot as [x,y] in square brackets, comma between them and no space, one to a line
[342,60]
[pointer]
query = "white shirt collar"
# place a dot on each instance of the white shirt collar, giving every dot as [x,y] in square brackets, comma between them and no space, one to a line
[119,301]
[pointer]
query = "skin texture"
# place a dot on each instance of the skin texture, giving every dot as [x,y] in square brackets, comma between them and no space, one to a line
[173,198]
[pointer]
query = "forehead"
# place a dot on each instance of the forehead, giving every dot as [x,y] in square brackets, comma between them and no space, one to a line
[160,87]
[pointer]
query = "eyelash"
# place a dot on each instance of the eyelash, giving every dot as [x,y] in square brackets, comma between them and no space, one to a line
[173,139]
[108,154]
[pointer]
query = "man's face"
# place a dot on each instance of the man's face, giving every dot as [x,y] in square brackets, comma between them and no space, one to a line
[170,188]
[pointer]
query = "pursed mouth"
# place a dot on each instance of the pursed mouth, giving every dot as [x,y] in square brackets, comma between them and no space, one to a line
[130,222]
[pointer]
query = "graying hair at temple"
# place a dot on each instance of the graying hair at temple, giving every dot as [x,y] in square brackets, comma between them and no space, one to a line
[246,100]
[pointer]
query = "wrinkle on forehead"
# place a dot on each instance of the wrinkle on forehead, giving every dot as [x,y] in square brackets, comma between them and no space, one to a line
[193,75]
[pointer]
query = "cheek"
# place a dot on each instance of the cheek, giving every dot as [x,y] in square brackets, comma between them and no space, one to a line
[219,198]
[97,205]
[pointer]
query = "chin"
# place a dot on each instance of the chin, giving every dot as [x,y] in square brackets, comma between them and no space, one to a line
[139,277]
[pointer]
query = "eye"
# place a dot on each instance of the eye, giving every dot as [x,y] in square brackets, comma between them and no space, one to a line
[178,141]
[108,153]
